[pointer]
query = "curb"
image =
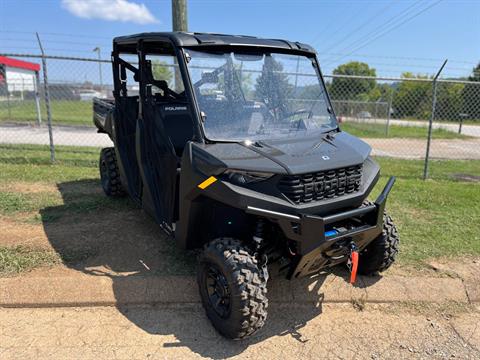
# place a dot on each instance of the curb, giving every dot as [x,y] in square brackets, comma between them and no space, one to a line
[88,290]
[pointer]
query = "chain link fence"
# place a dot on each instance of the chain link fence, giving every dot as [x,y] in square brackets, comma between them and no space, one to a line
[391,114]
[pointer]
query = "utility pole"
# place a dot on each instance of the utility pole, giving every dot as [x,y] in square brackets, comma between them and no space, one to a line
[179,23]
[97,49]
[179,15]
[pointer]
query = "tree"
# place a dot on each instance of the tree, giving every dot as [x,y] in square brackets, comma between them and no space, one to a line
[413,98]
[273,86]
[353,89]
[449,101]
[161,71]
[471,96]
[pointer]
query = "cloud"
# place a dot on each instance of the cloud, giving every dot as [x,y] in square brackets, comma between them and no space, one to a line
[111,10]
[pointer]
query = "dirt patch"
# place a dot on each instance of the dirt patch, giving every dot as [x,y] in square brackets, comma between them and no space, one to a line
[15,234]
[119,242]
[126,241]
[466,177]
[467,267]
[26,187]
[39,187]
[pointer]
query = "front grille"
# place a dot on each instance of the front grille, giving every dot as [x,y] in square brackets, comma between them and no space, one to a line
[321,185]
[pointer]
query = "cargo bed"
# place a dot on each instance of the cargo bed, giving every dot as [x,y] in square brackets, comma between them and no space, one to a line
[102,114]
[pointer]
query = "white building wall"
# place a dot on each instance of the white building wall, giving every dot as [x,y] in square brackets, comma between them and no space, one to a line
[20,79]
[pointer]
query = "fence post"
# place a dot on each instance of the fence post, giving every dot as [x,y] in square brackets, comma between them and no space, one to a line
[8,97]
[47,101]
[390,101]
[432,118]
[37,98]
[462,116]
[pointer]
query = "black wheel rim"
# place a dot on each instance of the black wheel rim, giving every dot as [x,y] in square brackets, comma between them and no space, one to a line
[218,291]
[104,174]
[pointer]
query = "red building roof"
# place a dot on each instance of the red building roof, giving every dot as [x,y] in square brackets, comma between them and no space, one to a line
[19,64]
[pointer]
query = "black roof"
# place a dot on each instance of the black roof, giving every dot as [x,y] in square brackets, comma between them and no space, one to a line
[185,39]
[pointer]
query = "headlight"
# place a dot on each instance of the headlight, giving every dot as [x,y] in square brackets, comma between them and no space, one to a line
[243,177]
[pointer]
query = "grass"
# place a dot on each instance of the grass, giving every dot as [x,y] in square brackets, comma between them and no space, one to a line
[32,163]
[436,218]
[75,171]
[373,130]
[63,112]
[17,259]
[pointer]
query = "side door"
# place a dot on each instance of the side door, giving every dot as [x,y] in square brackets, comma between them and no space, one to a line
[157,158]
[124,121]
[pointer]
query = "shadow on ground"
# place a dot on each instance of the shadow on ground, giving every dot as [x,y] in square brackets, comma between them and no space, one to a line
[108,237]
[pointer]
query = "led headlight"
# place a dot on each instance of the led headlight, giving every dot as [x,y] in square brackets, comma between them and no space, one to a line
[242,177]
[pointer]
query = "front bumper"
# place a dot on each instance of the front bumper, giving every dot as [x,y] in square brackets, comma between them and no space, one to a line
[313,249]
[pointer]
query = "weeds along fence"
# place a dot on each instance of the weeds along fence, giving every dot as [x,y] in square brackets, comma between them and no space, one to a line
[52,109]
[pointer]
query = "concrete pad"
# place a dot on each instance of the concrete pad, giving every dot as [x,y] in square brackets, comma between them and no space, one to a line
[472,287]
[421,289]
[88,290]
[330,288]
[174,289]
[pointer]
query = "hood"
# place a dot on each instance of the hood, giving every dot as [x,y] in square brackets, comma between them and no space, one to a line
[292,156]
[299,156]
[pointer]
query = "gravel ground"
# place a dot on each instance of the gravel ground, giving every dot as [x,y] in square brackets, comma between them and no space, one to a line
[178,332]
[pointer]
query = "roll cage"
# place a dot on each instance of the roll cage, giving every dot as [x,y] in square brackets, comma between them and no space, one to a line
[175,44]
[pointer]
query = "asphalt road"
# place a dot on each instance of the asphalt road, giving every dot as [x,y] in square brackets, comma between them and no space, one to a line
[469,130]
[399,148]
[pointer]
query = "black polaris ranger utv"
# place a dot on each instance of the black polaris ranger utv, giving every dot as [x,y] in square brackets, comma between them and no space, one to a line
[232,145]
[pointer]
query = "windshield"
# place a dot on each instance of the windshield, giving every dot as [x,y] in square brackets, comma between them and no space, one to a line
[259,96]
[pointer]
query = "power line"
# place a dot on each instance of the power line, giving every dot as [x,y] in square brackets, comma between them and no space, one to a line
[333,21]
[401,15]
[55,34]
[50,41]
[361,26]
[336,54]
[389,30]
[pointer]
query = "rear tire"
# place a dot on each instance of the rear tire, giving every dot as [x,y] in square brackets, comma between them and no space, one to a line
[232,288]
[109,173]
[380,254]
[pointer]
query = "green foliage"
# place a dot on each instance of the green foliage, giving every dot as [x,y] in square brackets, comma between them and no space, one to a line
[353,89]
[449,101]
[161,71]
[471,96]
[412,98]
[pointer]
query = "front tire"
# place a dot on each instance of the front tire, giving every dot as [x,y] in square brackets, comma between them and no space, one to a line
[109,173]
[380,254]
[232,288]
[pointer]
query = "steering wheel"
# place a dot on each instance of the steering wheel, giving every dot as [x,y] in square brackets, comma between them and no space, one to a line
[300,112]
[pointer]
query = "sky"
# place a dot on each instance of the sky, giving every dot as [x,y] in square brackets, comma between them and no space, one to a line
[392,36]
